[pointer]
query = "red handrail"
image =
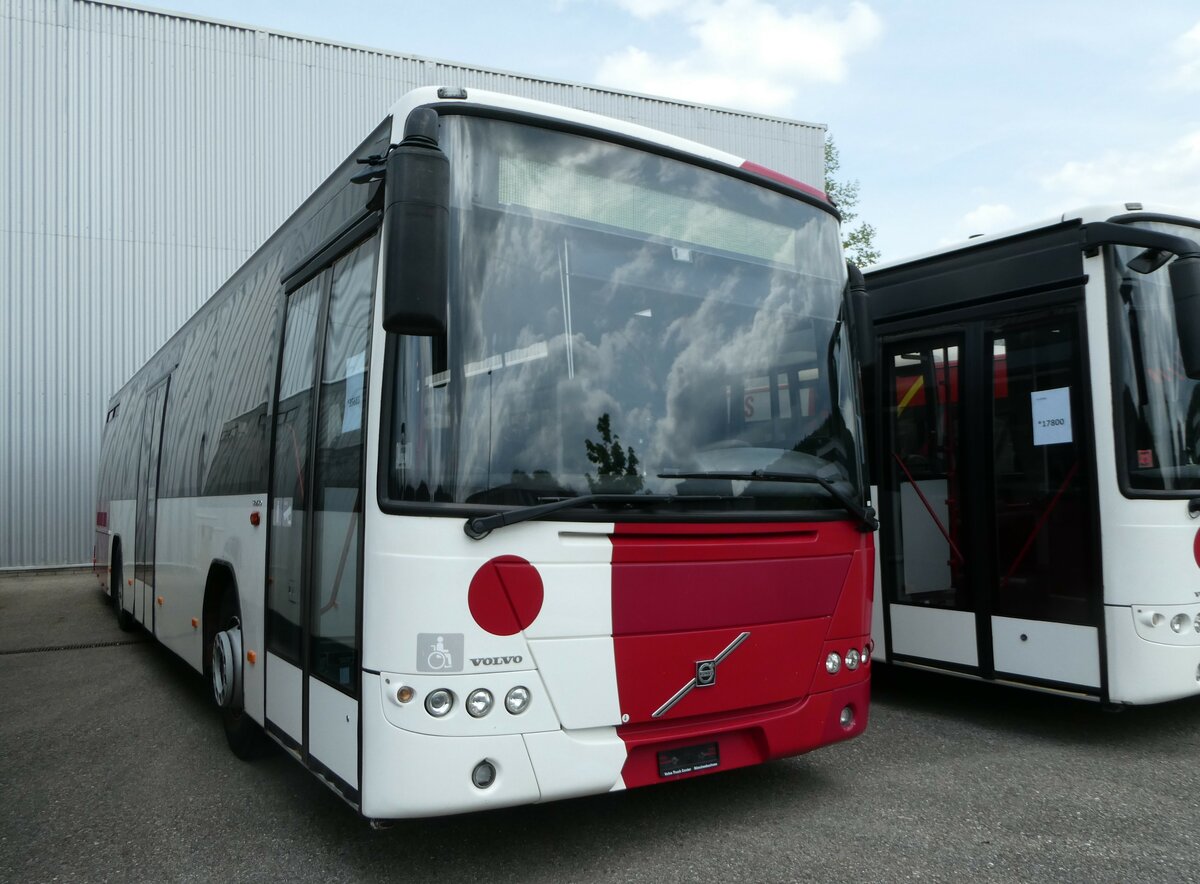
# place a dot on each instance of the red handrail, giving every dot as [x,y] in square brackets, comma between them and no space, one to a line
[917,488]
[1038,527]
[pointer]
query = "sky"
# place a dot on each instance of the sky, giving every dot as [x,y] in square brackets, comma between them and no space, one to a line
[954,117]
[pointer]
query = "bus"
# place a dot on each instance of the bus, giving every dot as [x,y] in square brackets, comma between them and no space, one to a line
[523,462]
[1034,420]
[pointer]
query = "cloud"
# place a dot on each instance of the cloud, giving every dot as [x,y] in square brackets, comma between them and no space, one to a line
[989,218]
[983,219]
[746,53]
[646,9]
[1168,174]
[1185,50]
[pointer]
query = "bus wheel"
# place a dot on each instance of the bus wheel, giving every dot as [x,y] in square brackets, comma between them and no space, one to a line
[226,670]
[116,582]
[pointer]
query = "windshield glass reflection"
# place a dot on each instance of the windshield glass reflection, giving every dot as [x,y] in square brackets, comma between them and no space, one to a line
[616,315]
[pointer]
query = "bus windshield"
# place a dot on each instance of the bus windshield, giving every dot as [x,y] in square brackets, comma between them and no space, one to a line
[1158,405]
[617,315]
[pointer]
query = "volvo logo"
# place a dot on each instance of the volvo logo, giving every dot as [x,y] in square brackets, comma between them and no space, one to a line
[496,661]
[706,676]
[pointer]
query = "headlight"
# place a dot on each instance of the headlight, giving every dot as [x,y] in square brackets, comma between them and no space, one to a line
[852,659]
[1180,622]
[479,703]
[517,700]
[439,702]
[866,655]
[833,662]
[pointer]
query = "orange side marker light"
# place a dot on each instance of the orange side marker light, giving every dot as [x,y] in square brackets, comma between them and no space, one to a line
[160,601]
[195,623]
[251,657]
[255,518]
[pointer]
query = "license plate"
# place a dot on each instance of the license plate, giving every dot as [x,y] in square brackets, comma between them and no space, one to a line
[688,759]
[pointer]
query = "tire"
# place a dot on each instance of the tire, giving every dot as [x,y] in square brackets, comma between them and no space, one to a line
[116,583]
[244,735]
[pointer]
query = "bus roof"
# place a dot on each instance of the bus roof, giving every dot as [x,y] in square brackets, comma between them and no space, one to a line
[1084,215]
[442,95]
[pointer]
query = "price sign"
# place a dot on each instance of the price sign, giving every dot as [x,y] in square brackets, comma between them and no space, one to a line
[1051,416]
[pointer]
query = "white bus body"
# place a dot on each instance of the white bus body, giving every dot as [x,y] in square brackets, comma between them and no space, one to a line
[539,550]
[1037,461]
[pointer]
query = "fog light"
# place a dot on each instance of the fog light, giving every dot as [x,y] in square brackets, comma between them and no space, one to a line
[852,658]
[483,775]
[404,694]
[1180,622]
[479,703]
[846,719]
[517,700]
[439,702]
[833,662]
[1151,618]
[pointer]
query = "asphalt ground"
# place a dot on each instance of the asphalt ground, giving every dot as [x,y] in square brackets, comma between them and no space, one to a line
[113,767]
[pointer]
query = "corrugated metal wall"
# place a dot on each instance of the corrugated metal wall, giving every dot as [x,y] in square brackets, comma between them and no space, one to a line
[143,157]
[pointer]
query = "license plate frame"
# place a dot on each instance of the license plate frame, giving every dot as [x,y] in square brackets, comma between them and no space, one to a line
[689,759]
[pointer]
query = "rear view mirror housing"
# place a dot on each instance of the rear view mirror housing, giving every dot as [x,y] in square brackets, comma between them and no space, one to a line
[416,224]
[860,316]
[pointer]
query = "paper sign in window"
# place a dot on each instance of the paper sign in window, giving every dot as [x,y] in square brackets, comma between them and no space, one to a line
[1051,416]
[356,365]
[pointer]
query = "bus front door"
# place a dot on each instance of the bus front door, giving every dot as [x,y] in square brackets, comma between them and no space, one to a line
[314,584]
[146,517]
[990,551]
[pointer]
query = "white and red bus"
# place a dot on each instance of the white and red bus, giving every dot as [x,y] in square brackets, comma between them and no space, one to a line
[522,462]
[1035,426]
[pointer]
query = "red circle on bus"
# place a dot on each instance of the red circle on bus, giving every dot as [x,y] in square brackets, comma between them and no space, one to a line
[1196,548]
[506,595]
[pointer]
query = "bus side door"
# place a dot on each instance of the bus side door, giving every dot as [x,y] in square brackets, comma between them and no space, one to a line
[146,518]
[990,551]
[314,562]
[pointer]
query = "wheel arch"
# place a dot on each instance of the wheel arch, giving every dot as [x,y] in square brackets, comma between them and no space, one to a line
[115,550]
[220,580]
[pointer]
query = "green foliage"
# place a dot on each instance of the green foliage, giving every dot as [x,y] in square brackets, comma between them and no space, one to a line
[857,240]
[616,466]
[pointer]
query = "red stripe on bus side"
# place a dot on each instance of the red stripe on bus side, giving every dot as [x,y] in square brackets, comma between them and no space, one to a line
[785,179]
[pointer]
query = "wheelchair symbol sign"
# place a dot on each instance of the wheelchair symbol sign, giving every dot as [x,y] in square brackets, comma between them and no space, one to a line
[439,652]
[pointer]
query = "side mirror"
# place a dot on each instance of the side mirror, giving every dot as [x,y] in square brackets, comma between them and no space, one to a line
[860,316]
[416,221]
[1185,290]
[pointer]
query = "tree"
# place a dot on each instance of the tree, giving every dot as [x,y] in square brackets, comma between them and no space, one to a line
[618,467]
[859,240]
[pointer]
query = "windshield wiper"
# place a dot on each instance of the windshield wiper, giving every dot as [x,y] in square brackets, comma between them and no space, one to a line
[865,514]
[480,527]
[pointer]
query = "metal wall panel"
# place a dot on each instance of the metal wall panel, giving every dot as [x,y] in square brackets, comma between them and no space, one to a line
[143,157]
